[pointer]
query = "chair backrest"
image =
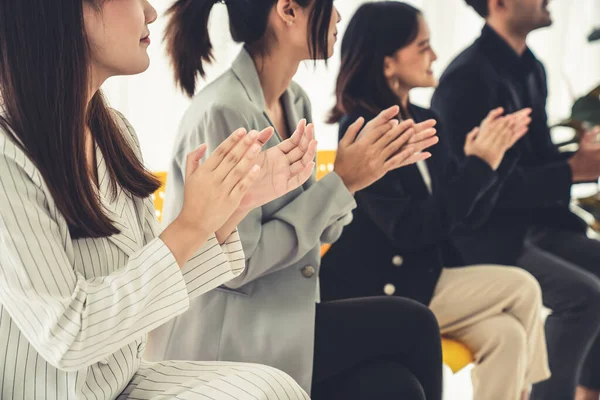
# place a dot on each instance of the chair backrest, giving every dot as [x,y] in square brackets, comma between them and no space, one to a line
[159,196]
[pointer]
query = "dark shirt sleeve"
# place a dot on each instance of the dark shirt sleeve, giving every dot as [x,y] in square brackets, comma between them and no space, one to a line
[463,99]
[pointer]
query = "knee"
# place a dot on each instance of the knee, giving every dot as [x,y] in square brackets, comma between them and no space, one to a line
[389,380]
[527,287]
[585,298]
[508,335]
[419,316]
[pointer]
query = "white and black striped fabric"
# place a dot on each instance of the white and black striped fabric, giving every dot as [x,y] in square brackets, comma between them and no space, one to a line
[74,314]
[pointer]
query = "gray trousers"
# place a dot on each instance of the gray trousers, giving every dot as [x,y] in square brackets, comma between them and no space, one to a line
[567,266]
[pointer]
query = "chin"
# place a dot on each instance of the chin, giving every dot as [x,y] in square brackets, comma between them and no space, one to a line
[428,82]
[138,67]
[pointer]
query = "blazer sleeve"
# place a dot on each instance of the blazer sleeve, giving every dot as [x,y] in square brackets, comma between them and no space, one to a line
[412,223]
[463,99]
[285,237]
[73,321]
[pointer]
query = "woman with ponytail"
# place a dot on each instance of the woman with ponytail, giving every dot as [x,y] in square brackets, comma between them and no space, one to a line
[271,313]
[85,270]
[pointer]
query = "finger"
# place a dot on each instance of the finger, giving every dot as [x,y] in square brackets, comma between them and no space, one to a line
[301,177]
[421,126]
[224,148]
[403,159]
[472,135]
[309,156]
[419,147]
[401,139]
[265,135]
[501,132]
[522,113]
[352,132]
[300,151]
[245,183]
[240,170]
[236,156]
[192,161]
[492,115]
[404,128]
[398,140]
[517,135]
[288,145]
[423,135]
[383,117]
[371,135]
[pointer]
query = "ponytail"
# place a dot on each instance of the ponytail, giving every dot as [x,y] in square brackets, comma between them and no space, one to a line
[188,42]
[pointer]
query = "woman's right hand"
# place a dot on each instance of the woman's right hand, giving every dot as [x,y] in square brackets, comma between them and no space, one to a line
[384,144]
[496,134]
[213,191]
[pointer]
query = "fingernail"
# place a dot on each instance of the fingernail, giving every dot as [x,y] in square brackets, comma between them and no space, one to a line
[241,133]
[253,135]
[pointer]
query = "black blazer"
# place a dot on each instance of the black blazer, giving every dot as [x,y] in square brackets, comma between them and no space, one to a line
[537,192]
[400,235]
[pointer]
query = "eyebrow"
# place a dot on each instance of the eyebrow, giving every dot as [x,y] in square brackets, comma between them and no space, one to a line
[423,42]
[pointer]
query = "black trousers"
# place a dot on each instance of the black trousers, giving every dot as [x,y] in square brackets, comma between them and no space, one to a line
[378,348]
[567,266]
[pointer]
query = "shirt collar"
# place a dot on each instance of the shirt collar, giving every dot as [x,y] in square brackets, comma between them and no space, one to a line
[504,56]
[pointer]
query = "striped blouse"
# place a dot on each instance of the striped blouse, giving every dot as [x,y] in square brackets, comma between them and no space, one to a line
[74,313]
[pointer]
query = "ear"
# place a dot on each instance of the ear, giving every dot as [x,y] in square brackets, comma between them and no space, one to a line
[496,6]
[287,11]
[388,66]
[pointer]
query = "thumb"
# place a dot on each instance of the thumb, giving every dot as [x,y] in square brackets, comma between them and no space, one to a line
[471,136]
[193,160]
[352,132]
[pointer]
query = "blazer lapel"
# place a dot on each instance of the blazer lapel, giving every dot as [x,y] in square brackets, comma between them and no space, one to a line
[120,209]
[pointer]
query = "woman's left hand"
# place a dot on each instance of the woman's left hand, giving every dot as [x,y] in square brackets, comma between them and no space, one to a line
[283,168]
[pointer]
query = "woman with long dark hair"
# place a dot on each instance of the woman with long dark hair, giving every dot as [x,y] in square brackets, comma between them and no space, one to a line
[85,271]
[343,350]
[408,218]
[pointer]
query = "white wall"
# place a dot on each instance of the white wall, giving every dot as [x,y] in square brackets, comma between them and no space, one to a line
[154,106]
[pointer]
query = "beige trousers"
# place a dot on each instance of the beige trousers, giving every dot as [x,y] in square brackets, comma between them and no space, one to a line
[495,311]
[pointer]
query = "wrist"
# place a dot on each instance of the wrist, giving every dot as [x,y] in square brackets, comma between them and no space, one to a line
[347,182]
[183,239]
[192,230]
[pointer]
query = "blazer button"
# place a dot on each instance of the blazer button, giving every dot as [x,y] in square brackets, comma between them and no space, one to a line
[397,261]
[308,271]
[389,289]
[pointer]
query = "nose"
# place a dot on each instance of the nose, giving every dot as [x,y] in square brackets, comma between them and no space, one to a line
[433,56]
[150,12]
[339,17]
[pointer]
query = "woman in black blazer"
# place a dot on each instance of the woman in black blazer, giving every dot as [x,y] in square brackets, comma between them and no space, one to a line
[400,242]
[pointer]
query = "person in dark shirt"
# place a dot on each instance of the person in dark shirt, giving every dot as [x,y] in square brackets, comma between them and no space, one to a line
[531,225]
[398,243]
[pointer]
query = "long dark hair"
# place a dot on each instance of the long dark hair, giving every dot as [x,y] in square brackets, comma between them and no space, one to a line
[376,31]
[189,45]
[44,86]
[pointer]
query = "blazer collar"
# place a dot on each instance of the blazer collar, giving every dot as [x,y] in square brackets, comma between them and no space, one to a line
[245,70]
[120,209]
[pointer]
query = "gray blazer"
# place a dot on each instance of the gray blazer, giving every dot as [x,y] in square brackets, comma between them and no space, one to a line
[267,314]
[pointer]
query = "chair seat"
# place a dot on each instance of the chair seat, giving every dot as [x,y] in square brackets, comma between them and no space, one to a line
[455,354]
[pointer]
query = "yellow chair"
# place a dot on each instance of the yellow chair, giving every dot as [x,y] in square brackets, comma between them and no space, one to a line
[159,196]
[455,354]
